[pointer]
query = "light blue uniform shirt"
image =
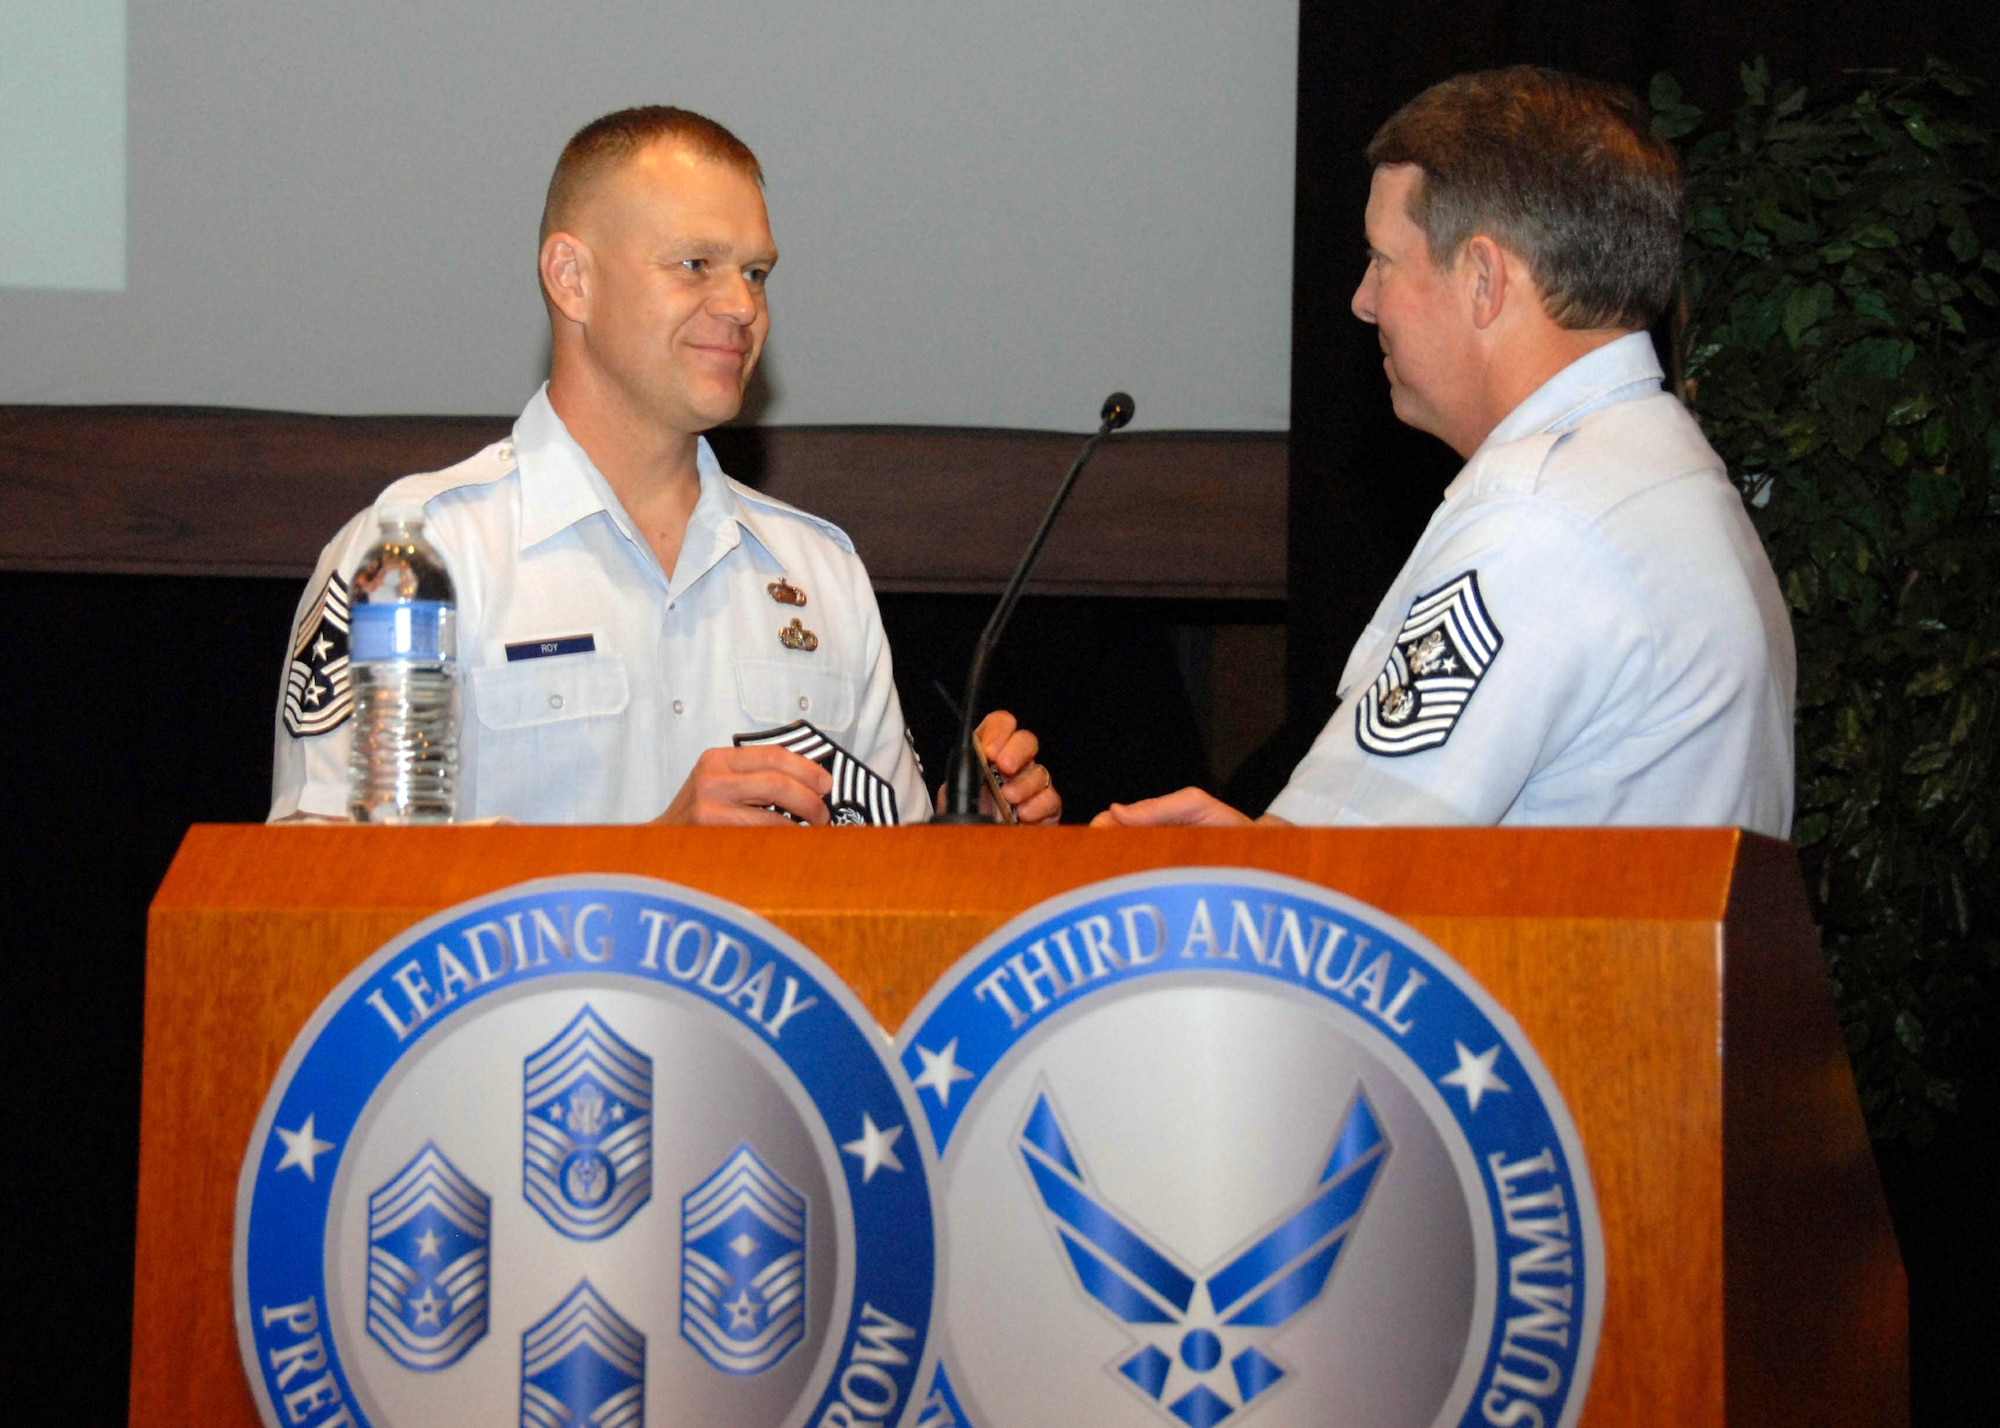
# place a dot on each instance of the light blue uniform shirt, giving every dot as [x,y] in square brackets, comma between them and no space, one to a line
[1588,633]
[543,555]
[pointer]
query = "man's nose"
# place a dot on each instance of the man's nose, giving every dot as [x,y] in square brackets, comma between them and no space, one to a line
[734,299]
[1363,301]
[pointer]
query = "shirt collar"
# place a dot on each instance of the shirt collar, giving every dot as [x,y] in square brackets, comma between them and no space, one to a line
[1616,372]
[561,485]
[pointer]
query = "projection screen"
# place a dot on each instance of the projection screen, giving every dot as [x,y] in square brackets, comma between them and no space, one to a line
[989,214]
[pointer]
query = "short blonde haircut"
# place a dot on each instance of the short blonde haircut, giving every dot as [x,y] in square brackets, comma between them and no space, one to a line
[602,145]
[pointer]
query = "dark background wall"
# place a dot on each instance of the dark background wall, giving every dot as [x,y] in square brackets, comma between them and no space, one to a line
[134,706]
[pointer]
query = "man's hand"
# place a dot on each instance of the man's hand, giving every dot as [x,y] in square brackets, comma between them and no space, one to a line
[1190,805]
[742,785]
[1011,750]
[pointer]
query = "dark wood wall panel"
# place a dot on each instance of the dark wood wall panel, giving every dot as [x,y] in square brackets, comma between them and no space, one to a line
[151,490]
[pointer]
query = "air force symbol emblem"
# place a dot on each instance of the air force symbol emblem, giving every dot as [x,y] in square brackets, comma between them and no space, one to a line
[1218,1146]
[743,1266]
[1444,650]
[428,1233]
[1209,1365]
[587,1129]
[483,1158]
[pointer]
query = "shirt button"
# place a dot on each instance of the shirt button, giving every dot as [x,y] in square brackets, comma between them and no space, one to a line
[555,701]
[679,708]
[804,703]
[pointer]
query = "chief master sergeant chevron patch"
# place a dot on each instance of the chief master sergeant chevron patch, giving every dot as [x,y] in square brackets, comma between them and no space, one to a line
[317,695]
[1447,643]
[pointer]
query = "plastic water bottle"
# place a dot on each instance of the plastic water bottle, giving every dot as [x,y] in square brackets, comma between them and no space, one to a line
[403,663]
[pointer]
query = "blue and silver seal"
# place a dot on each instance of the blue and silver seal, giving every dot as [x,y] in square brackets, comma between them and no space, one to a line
[589,1150]
[1217,1146]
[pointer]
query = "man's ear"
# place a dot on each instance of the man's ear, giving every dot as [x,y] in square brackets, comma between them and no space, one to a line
[566,275]
[1483,269]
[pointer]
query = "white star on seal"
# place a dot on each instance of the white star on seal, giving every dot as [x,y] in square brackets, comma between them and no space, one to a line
[302,1148]
[876,1148]
[320,648]
[941,1068]
[1474,1075]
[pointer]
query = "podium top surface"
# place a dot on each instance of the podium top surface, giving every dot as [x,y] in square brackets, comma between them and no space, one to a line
[1666,874]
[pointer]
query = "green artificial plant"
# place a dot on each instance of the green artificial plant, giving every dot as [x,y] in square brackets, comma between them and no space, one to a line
[1839,339]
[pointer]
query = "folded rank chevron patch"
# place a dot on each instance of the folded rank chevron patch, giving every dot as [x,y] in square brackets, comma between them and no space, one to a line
[860,795]
[317,696]
[1445,648]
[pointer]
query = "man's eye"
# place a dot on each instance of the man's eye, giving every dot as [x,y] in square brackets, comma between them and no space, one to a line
[695,265]
[756,276]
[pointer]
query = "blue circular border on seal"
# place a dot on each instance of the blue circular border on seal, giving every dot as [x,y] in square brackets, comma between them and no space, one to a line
[351,1045]
[984,1007]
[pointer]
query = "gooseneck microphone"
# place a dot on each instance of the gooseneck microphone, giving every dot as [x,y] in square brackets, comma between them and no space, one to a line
[962,789]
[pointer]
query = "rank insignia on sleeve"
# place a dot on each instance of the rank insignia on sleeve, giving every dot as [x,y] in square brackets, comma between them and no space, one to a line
[1444,649]
[317,696]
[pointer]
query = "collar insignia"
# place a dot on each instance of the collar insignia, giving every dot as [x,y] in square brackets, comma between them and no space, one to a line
[786,593]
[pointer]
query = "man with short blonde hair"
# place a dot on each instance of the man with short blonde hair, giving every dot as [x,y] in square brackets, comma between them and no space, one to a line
[625,610]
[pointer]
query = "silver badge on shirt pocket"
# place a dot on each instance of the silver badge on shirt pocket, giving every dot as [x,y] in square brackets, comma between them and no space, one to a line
[1444,649]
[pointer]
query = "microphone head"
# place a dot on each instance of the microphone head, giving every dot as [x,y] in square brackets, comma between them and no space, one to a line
[1116,411]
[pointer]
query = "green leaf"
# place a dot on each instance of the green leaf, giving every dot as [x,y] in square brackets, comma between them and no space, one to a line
[1911,409]
[1802,589]
[1873,235]
[1870,303]
[1806,307]
[1756,81]
[1895,450]
[1963,242]
[1939,679]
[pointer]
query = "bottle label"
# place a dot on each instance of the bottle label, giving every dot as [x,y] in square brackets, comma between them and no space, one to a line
[424,631]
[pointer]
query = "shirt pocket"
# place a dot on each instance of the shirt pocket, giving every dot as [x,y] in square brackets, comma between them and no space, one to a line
[773,692]
[537,692]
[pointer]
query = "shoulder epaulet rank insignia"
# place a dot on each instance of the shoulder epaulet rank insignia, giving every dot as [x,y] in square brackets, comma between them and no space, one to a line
[1446,645]
[317,696]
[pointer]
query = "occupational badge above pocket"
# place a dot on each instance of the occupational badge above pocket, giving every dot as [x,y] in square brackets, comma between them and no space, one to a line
[1444,649]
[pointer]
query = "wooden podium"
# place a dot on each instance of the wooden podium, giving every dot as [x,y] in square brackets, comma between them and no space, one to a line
[1669,980]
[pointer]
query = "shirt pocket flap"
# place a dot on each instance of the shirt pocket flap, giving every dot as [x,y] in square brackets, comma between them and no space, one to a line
[549,691]
[774,692]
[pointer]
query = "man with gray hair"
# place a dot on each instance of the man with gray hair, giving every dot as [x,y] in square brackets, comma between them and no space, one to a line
[1588,631]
